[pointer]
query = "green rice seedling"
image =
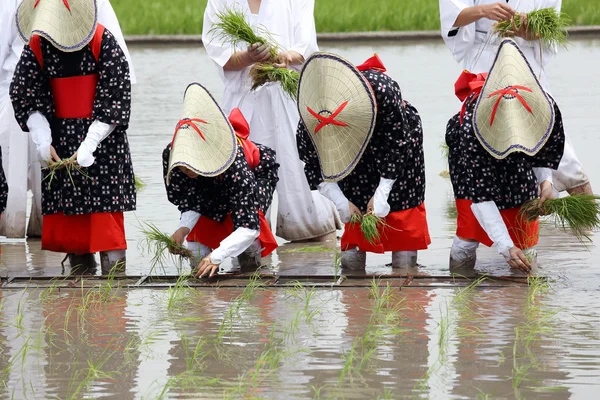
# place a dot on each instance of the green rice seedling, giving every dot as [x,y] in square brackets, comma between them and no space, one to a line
[546,24]
[387,394]
[310,249]
[69,166]
[262,73]
[369,225]
[89,375]
[445,150]
[579,213]
[176,293]
[139,183]
[160,244]
[337,263]
[233,29]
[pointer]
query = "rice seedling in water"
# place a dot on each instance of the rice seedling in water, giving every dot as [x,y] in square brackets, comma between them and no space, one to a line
[262,73]
[579,213]
[310,249]
[89,374]
[139,183]
[176,293]
[546,24]
[160,244]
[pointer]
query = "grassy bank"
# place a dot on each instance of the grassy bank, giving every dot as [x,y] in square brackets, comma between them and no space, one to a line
[164,17]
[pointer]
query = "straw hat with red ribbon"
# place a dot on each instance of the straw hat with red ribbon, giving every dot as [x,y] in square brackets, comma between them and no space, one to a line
[68,24]
[513,112]
[204,140]
[338,107]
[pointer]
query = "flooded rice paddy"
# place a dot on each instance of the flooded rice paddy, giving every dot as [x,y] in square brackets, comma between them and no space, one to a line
[436,339]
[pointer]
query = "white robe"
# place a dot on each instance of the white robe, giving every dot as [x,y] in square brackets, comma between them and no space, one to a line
[476,47]
[21,164]
[272,115]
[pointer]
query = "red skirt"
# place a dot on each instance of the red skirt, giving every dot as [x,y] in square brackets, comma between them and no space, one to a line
[211,233]
[524,233]
[85,233]
[404,230]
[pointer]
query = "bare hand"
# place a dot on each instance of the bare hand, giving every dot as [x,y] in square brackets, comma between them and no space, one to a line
[180,234]
[546,193]
[519,261]
[354,209]
[523,30]
[289,58]
[53,155]
[370,205]
[258,53]
[206,268]
[497,11]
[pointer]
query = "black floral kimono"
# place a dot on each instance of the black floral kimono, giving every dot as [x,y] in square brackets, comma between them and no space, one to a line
[3,187]
[108,185]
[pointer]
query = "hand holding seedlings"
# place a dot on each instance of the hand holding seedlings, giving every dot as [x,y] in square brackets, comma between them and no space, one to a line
[206,268]
[288,58]
[259,52]
[518,260]
[522,30]
[53,155]
[354,210]
[546,193]
[179,236]
[497,12]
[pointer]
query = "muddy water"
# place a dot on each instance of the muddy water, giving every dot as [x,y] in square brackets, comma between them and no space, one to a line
[425,343]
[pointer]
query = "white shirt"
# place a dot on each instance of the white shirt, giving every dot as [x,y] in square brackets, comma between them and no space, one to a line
[475,46]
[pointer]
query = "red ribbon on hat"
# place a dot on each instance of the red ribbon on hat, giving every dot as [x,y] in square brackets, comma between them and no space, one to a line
[65,2]
[467,84]
[372,63]
[324,121]
[188,122]
[512,90]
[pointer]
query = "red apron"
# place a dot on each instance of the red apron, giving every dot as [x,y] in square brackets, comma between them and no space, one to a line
[524,233]
[404,230]
[86,233]
[210,232]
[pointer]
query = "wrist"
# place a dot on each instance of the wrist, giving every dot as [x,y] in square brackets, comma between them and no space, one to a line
[481,11]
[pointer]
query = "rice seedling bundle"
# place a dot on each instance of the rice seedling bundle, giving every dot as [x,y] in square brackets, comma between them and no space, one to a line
[369,225]
[232,28]
[546,24]
[578,213]
[66,164]
[139,183]
[160,243]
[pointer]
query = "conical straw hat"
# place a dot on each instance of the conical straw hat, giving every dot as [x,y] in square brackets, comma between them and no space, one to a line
[68,24]
[338,107]
[513,112]
[204,140]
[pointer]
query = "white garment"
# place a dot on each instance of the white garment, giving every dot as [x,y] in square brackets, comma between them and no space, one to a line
[97,132]
[272,115]
[189,219]
[475,47]
[234,244]
[381,207]
[491,221]
[332,191]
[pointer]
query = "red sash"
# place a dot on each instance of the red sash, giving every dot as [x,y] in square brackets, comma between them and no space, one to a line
[524,233]
[84,233]
[404,230]
[73,96]
[210,232]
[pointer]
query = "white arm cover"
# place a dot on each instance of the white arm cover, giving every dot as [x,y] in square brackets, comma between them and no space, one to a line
[40,134]
[491,221]
[189,219]
[543,174]
[97,132]
[331,191]
[234,244]
[381,208]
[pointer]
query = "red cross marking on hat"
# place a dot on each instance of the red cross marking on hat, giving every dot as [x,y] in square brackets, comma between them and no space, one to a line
[512,90]
[65,2]
[189,122]
[324,121]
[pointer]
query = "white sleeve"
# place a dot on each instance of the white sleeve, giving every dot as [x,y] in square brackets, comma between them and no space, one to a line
[189,219]
[458,40]
[332,192]
[234,244]
[108,18]
[305,33]
[97,132]
[41,134]
[543,174]
[381,207]
[491,221]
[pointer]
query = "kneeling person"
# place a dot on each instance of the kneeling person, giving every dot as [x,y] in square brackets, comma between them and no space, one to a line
[222,183]
[502,148]
[363,149]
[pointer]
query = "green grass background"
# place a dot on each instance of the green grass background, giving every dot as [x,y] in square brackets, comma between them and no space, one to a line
[164,17]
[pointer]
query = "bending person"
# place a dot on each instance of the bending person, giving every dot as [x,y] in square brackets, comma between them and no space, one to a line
[222,183]
[272,115]
[362,145]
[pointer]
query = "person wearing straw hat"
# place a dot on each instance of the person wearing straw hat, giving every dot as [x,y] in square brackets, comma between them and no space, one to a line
[362,145]
[302,214]
[72,91]
[221,182]
[21,161]
[502,147]
[466,27]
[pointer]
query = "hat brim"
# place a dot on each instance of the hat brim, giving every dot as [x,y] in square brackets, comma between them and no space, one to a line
[330,85]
